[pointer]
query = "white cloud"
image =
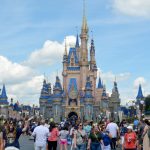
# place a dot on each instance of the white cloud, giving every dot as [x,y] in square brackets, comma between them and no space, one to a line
[13,72]
[50,53]
[110,76]
[133,7]
[26,92]
[139,80]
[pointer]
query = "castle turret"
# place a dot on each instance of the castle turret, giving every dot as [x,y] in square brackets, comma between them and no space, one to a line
[100,85]
[88,100]
[3,96]
[45,95]
[139,96]
[84,40]
[104,100]
[57,99]
[65,64]
[77,47]
[57,87]
[115,99]
[92,57]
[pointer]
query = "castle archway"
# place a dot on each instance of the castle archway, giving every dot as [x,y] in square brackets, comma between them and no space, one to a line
[73,115]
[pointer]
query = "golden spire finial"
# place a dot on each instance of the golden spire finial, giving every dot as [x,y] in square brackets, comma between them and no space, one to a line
[84,21]
[65,53]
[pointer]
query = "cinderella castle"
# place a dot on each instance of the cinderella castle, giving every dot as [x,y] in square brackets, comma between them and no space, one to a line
[78,94]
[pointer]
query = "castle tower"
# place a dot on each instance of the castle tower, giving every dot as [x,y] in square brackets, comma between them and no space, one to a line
[104,99]
[4,103]
[3,96]
[45,95]
[139,96]
[84,51]
[115,99]
[65,64]
[77,47]
[88,100]
[57,99]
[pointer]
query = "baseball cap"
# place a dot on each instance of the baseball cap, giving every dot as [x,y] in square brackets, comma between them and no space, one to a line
[130,127]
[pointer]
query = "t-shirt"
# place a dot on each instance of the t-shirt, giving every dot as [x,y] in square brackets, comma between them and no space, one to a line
[53,135]
[136,122]
[41,134]
[80,136]
[63,134]
[95,137]
[12,139]
[130,140]
[87,129]
[112,128]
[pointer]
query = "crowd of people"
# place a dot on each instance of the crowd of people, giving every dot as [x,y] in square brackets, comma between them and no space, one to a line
[74,134]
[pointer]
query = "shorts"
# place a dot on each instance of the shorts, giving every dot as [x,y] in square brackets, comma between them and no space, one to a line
[63,141]
[11,148]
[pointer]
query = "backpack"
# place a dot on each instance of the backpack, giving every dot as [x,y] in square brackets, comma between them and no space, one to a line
[148,133]
[106,139]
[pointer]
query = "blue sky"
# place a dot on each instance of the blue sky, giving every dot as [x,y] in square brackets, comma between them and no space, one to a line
[32,37]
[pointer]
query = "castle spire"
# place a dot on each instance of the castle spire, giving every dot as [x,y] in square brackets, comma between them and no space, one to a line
[77,41]
[65,53]
[100,85]
[84,39]
[84,20]
[3,94]
[65,56]
[140,93]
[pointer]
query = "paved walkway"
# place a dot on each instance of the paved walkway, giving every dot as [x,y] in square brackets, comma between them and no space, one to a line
[26,144]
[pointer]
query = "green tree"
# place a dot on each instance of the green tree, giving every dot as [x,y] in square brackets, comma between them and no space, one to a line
[147,105]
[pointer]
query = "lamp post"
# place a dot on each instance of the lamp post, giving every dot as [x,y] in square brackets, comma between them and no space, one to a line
[141,107]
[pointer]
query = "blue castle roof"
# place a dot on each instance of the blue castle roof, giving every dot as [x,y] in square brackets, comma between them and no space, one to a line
[92,50]
[57,84]
[140,93]
[3,96]
[104,94]
[77,41]
[74,52]
[100,85]
[45,90]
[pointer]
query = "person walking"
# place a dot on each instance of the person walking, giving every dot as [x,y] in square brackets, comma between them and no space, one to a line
[146,136]
[106,139]
[79,138]
[94,140]
[1,137]
[63,134]
[130,139]
[114,131]
[12,133]
[41,134]
[53,137]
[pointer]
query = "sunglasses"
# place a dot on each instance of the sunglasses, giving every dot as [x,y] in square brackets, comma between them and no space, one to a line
[80,125]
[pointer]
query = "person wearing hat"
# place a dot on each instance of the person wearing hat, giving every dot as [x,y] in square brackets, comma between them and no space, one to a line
[130,139]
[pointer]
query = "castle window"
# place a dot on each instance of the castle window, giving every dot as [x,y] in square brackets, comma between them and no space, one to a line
[72,61]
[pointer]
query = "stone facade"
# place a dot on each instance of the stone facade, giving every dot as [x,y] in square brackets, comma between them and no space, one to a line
[79,94]
[3,103]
